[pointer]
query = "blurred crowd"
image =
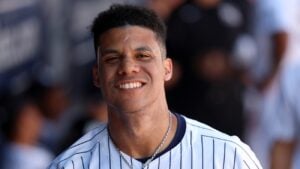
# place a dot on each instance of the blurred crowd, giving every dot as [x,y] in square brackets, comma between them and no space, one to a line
[236,66]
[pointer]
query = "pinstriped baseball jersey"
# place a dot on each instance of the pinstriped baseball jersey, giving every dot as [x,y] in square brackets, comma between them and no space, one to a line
[201,147]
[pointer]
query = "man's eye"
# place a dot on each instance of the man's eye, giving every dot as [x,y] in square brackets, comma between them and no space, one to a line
[111,59]
[143,56]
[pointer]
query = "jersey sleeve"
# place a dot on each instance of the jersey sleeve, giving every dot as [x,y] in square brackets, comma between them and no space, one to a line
[244,157]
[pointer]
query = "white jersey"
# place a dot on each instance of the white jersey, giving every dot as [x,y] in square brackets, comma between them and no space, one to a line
[201,147]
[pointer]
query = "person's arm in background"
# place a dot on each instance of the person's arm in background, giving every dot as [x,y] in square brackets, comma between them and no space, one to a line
[278,23]
[286,122]
[279,46]
[282,154]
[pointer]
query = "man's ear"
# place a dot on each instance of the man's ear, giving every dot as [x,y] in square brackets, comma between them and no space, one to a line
[96,76]
[168,69]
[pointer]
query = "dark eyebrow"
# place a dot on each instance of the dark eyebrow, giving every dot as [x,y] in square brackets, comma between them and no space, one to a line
[144,49]
[108,51]
[114,51]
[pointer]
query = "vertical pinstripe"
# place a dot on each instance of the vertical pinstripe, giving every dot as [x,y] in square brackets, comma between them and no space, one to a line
[82,162]
[99,156]
[202,149]
[224,156]
[181,155]
[234,158]
[109,155]
[170,159]
[213,154]
[120,160]
[73,164]
[158,166]
[191,142]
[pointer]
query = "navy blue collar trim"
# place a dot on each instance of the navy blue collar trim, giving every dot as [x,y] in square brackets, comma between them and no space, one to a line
[181,127]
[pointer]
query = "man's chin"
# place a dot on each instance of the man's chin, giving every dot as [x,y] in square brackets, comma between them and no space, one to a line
[130,107]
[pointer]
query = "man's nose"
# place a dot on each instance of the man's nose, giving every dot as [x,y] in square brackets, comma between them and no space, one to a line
[128,66]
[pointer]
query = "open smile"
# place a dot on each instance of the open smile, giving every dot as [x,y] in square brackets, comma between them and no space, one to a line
[130,85]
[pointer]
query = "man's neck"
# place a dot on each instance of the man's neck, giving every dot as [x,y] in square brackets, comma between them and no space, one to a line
[139,134]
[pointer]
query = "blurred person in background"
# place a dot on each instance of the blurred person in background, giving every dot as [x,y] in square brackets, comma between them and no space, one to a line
[276,32]
[22,129]
[54,104]
[163,8]
[95,114]
[201,37]
[1,145]
[2,119]
[285,128]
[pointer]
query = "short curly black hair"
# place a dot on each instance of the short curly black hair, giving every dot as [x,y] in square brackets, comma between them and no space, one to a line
[119,15]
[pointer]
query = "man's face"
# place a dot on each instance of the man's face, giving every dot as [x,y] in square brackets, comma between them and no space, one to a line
[131,70]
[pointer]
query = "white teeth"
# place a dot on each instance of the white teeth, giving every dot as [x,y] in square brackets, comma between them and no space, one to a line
[130,85]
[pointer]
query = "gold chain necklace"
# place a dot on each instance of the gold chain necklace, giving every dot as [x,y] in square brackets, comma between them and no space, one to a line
[157,150]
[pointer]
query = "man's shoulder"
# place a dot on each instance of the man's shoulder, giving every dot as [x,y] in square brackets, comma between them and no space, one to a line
[206,132]
[86,145]
[219,143]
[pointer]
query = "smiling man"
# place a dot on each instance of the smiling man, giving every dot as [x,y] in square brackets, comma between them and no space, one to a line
[131,71]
